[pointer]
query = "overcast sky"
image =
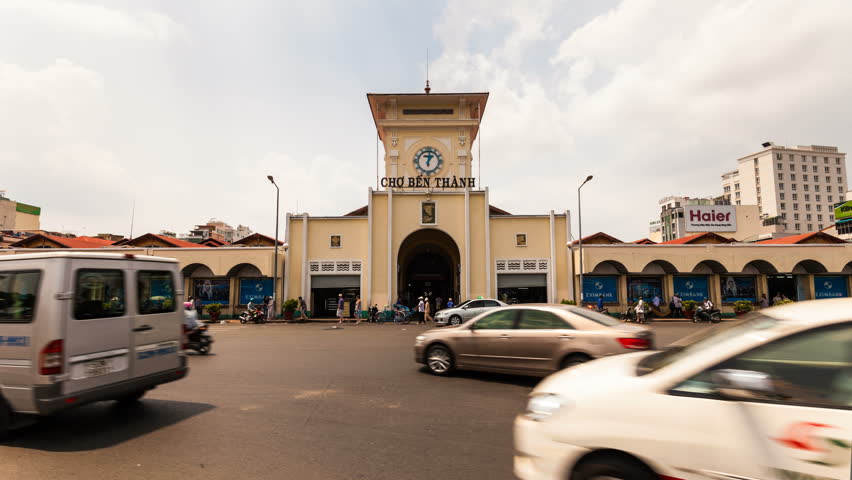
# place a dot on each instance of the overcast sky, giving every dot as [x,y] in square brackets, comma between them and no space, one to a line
[186,106]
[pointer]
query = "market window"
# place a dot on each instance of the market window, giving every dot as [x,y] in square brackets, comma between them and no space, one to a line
[819,208]
[808,207]
[839,180]
[838,171]
[334,241]
[784,215]
[428,213]
[828,188]
[794,186]
[807,197]
[813,159]
[831,198]
[808,217]
[807,187]
[779,166]
[810,227]
[793,177]
[783,206]
[796,217]
[818,198]
[795,196]
[820,227]
[738,195]
[780,176]
[736,186]
[795,206]
[827,179]
[99,293]
[520,239]
[739,202]
[816,188]
[780,186]
[819,218]
[827,170]
[797,227]
[805,178]
[814,169]
[778,156]
[781,195]
[804,168]
[831,218]
[837,161]
[156,291]
[18,295]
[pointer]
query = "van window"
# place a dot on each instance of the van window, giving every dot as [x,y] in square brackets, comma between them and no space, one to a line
[99,294]
[156,291]
[18,292]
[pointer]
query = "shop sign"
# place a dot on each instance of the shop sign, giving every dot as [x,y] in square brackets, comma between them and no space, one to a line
[691,288]
[644,287]
[843,211]
[737,288]
[830,287]
[710,218]
[428,182]
[213,290]
[594,287]
[254,290]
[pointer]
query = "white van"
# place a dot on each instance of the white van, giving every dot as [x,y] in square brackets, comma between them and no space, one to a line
[77,328]
[769,398]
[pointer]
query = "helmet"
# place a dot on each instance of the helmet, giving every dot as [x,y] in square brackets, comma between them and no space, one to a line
[187,305]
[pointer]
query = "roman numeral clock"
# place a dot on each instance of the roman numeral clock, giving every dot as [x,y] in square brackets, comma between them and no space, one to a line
[428,161]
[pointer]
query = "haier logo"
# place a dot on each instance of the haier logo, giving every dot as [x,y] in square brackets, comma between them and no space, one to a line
[710,218]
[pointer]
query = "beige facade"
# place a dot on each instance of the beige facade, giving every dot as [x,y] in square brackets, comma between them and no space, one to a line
[18,217]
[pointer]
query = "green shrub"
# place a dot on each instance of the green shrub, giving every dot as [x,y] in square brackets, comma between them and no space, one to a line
[783,302]
[213,308]
[743,306]
[568,302]
[290,305]
[689,305]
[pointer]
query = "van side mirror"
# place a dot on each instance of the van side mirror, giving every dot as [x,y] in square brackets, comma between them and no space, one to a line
[743,384]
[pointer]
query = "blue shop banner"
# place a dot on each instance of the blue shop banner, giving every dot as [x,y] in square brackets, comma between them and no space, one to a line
[213,290]
[830,287]
[594,287]
[737,288]
[254,290]
[691,288]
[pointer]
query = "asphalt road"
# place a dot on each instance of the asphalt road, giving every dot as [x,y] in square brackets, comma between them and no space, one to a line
[295,402]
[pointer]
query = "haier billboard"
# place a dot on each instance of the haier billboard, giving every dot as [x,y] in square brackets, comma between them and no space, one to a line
[710,218]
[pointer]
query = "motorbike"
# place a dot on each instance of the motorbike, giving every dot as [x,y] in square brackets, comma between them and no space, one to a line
[253,315]
[199,340]
[704,315]
[629,315]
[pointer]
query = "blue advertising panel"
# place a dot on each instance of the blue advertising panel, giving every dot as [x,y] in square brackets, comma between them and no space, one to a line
[594,287]
[691,288]
[737,288]
[645,287]
[213,290]
[830,287]
[254,290]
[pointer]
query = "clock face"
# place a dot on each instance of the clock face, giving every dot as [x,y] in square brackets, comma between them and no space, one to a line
[427,160]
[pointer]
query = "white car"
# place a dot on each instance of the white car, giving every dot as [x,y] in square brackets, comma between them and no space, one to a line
[767,398]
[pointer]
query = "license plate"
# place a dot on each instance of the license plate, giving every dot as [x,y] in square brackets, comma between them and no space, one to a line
[96,368]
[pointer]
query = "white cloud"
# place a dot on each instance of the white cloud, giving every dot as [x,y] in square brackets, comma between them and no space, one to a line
[653,98]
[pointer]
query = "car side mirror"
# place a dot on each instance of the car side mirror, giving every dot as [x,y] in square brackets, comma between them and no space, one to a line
[465,307]
[743,384]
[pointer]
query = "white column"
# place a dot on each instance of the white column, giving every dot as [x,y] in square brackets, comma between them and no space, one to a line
[467,244]
[284,281]
[551,267]
[390,247]
[570,255]
[306,291]
[367,270]
[488,291]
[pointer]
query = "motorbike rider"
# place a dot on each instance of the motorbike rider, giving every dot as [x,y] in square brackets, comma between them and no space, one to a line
[708,305]
[190,317]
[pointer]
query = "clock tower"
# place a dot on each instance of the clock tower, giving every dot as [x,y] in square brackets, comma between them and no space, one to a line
[427,139]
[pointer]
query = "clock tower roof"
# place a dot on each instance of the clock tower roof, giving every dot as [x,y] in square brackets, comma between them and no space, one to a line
[401,110]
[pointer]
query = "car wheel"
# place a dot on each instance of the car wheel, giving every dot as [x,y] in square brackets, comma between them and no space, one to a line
[131,398]
[455,320]
[439,360]
[612,467]
[573,359]
[204,349]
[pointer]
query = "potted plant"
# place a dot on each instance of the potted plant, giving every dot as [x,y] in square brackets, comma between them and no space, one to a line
[783,302]
[689,308]
[214,309]
[289,308]
[741,307]
[568,302]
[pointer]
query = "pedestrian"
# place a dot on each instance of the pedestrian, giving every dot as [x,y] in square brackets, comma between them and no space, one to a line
[764,302]
[358,309]
[776,298]
[427,314]
[438,302]
[600,303]
[270,308]
[450,303]
[640,310]
[199,307]
[677,306]
[339,308]
[303,310]
[421,311]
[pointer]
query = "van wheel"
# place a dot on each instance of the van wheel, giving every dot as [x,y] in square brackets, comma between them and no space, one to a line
[455,320]
[131,398]
[612,467]
[573,359]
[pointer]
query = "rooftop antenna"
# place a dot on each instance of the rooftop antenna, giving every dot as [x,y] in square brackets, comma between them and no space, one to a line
[428,89]
[132,215]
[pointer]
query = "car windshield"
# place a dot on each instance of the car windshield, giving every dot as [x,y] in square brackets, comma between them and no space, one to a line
[463,304]
[596,317]
[699,341]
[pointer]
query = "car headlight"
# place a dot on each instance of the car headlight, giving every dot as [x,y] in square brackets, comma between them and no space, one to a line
[543,406]
[419,339]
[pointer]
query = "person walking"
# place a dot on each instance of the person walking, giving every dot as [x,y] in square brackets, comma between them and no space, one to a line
[270,308]
[339,308]
[450,303]
[358,309]
[421,311]
[427,314]
[303,309]
[640,310]
[677,306]
[600,303]
[764,302]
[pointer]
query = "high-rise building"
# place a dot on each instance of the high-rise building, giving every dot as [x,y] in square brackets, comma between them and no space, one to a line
[797,185]
[17,216]
[745,223]
[218,230]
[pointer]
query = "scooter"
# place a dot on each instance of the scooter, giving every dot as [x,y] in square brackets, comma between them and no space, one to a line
[710,316]
[252,315]
[629,315]
[199,340]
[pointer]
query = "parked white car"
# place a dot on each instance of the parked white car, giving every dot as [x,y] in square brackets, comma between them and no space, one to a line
[767,398]
[466,310]
[77,328]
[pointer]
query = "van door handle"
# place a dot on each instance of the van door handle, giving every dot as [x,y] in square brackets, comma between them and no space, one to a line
[143,328]
[565,337]
[505,336]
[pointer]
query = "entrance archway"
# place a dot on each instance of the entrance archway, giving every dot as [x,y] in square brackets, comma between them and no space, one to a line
[429,264]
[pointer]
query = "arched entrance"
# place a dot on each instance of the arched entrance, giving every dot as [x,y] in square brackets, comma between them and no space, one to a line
[429,265]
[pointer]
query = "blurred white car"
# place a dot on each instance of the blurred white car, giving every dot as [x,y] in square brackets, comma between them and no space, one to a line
[767,398]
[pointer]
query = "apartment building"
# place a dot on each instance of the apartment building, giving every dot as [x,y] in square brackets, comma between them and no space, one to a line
[743,223]
[799,185]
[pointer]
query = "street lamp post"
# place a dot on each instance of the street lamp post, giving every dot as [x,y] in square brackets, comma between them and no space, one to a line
[580,227]
[275,261]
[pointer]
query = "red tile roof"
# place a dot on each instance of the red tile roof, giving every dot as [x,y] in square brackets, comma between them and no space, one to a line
[644,241]
[254,240]
[697,236]
[598,235]
[801,238]
[66,242]
[177,242]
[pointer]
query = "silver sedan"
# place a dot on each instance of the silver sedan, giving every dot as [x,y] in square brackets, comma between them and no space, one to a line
[466,310]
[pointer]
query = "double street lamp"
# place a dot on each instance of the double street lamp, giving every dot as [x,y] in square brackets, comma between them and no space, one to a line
[580,227]
[275,262]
